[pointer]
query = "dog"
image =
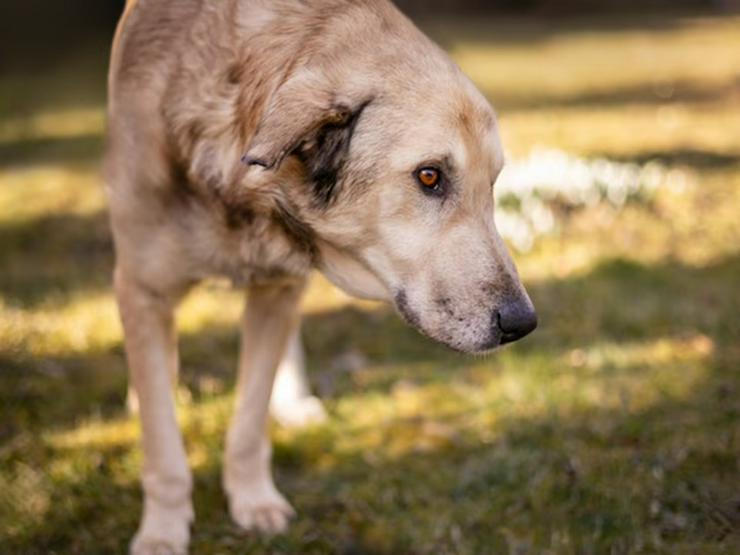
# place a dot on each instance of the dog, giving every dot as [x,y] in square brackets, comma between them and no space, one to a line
[258,140]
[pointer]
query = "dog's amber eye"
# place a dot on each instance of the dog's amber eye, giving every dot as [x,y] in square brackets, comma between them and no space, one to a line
[429,177]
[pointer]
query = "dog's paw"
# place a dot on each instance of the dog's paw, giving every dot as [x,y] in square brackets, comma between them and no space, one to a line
[163,531]
[266,512]
[298,413]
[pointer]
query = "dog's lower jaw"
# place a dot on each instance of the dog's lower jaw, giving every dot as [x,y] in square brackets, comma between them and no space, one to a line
[164,529]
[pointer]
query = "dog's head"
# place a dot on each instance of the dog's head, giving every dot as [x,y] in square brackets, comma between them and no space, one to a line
[395,180]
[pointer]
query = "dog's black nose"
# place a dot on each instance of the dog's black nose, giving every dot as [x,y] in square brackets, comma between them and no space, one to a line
[516,321]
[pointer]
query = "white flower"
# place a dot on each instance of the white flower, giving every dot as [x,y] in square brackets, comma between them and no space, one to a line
[528,189]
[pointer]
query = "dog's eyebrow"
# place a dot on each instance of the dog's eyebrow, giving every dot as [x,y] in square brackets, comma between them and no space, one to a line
[449,166]
[444,162]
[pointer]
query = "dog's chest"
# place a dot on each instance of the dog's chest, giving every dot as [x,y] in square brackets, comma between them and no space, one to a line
[256,252]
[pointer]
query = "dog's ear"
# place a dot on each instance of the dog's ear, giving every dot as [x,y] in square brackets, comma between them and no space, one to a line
[324,153]
[314,124]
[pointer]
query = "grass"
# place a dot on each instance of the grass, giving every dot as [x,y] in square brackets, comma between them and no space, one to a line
[614,429]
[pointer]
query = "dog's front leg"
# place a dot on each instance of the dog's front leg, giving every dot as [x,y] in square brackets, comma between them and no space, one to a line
[151,348]
[269,320]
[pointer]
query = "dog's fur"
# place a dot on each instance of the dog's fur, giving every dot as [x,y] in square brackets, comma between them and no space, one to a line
[258,139]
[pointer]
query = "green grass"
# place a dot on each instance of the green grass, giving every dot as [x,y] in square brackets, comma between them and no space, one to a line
[613,429]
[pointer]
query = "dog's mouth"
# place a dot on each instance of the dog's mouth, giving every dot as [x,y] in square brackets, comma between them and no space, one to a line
[505,325]
[460,345]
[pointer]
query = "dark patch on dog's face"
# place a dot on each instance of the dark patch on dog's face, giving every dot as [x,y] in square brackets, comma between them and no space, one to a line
[402,303]
[326,155]
[299,232]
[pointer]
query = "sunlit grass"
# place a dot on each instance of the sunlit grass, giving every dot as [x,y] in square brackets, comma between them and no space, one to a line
[626,131]
[613,429]
[605,376]
[653,59]
[31,192]
[61,124]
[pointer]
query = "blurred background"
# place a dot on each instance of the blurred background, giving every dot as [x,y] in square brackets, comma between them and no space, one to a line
[613,429]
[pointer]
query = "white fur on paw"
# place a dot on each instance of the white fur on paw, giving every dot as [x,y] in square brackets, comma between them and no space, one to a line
[267,513]
[297,413]
[163,531]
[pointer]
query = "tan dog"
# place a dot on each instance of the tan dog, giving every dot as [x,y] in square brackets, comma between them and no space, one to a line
[258,139]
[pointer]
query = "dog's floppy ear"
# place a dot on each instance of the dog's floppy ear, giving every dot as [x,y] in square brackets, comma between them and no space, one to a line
[311,122]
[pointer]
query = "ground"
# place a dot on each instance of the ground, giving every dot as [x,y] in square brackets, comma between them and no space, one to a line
[613,429]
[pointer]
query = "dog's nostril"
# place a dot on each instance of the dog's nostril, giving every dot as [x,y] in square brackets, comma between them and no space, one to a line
[516,321]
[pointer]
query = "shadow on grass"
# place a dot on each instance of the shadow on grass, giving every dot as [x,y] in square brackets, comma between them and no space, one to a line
[44,151]
[54,256]
[506,30]
[693,158]
[659,93]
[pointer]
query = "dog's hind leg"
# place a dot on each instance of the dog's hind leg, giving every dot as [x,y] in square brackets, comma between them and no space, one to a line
[151,347]
[292,404]
[270,319]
